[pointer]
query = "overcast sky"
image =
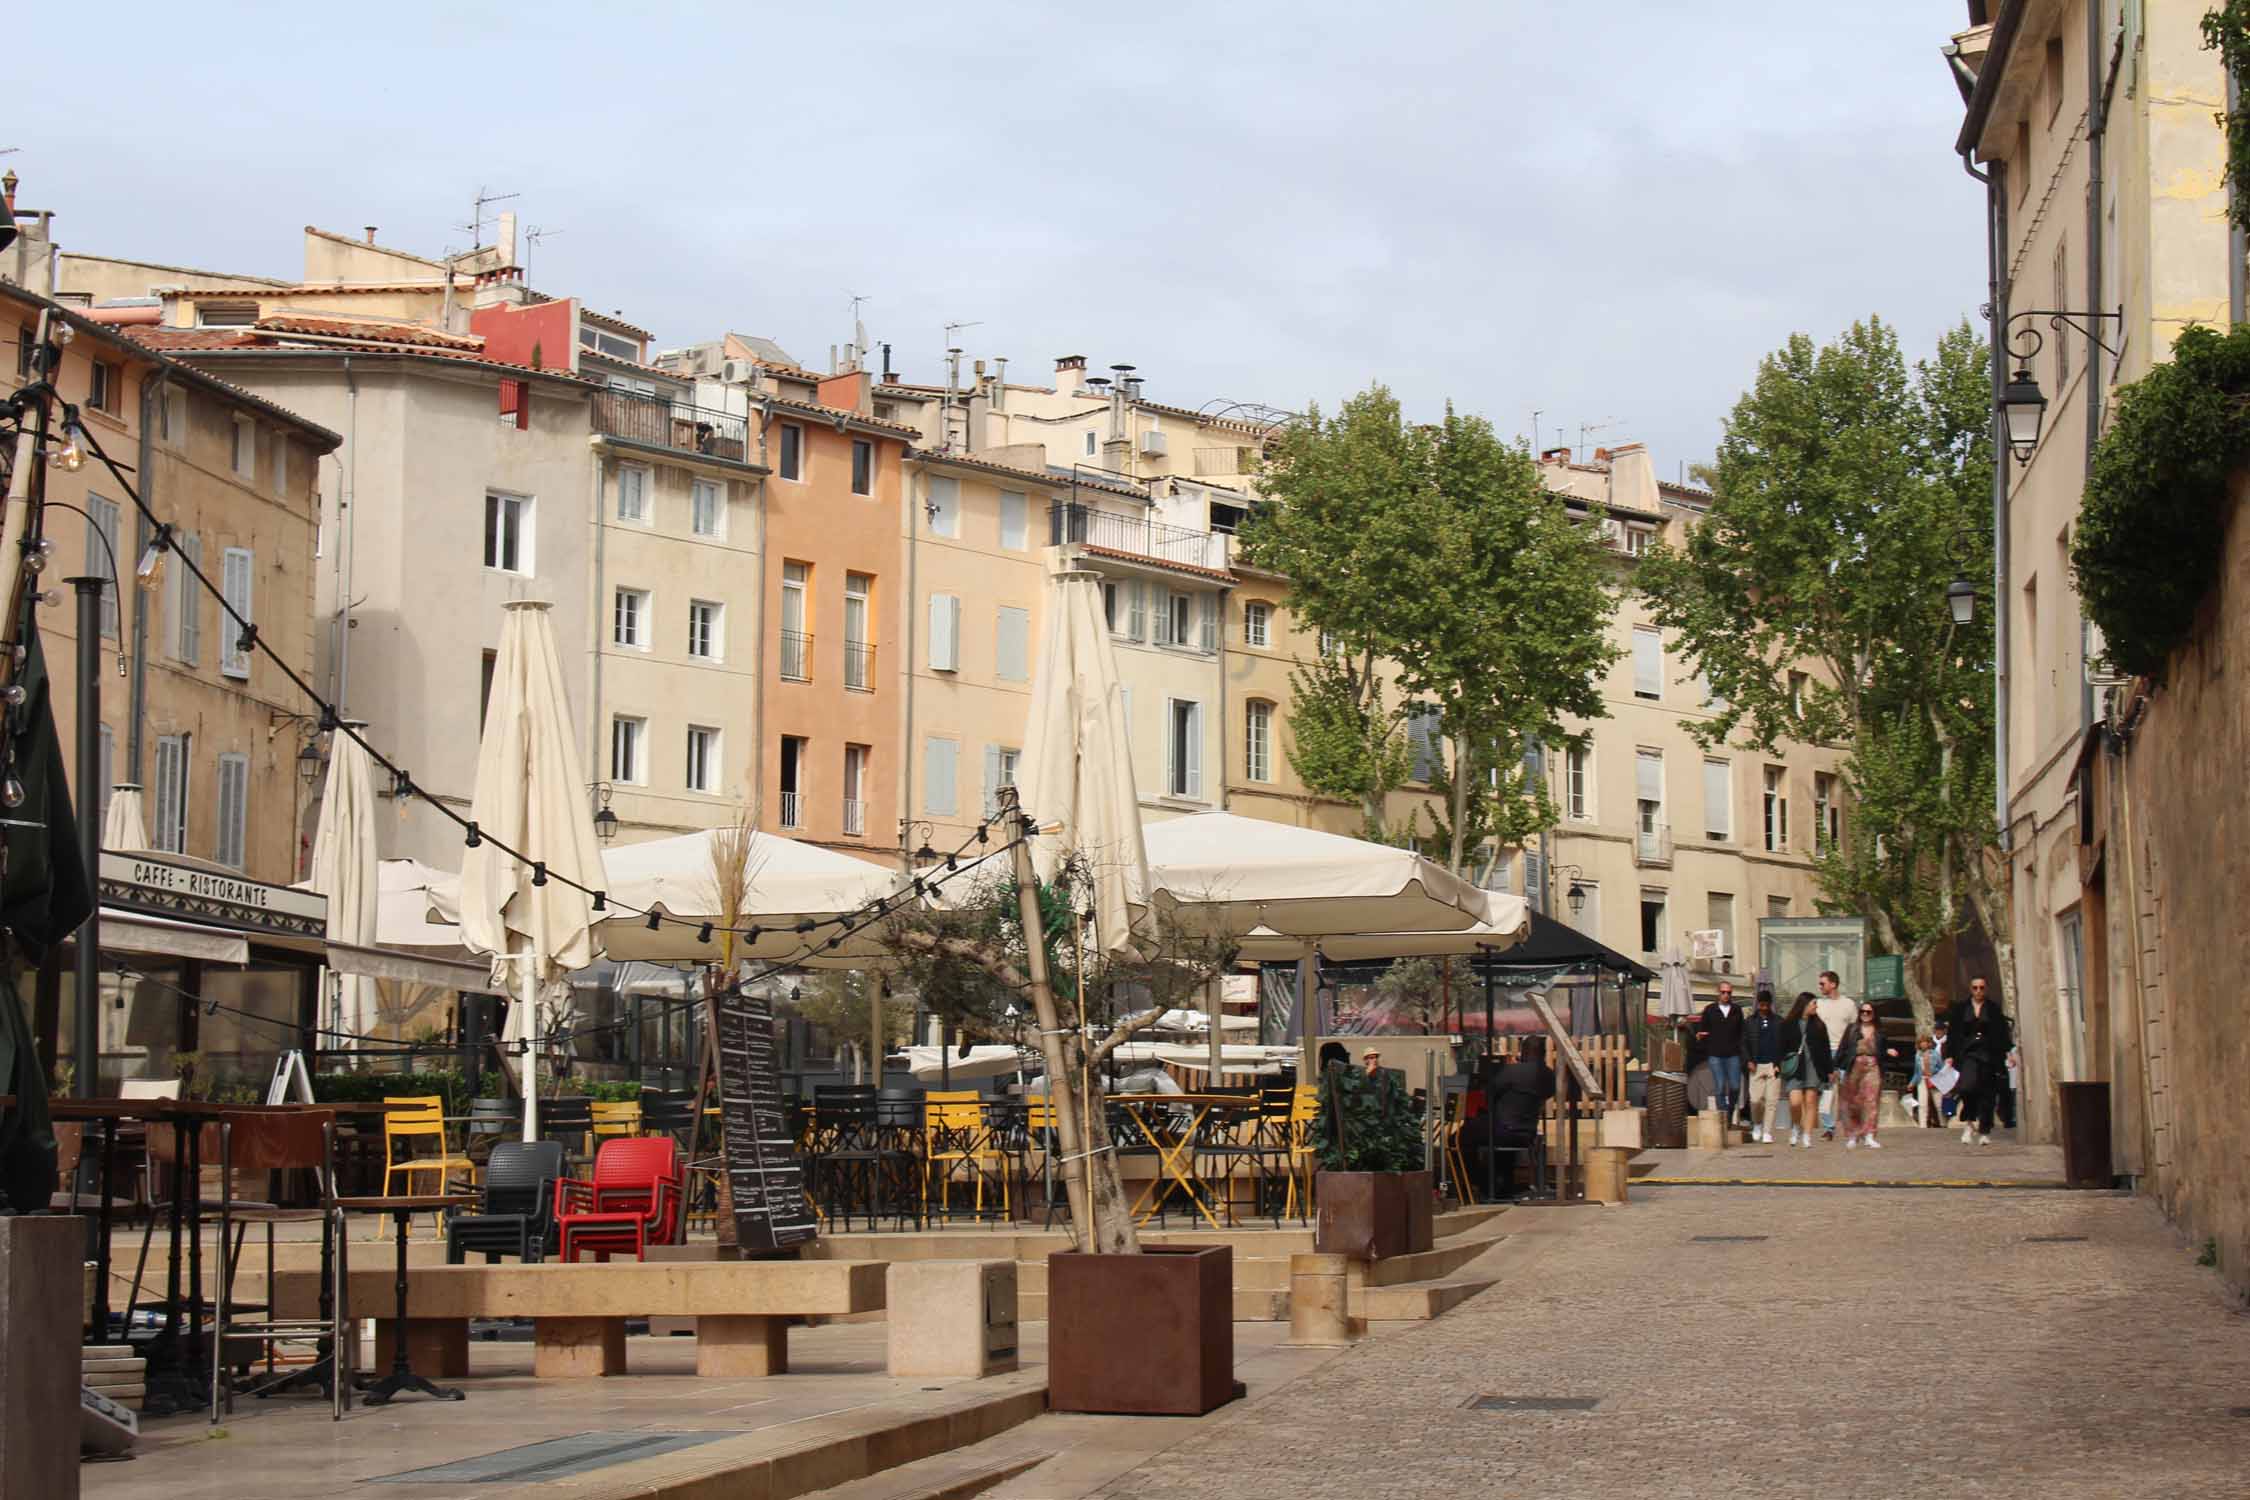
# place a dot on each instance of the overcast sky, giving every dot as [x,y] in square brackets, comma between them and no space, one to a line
[1602,212]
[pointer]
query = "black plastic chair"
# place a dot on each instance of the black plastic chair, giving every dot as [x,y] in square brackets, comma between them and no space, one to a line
[518,1214]
[567,1119]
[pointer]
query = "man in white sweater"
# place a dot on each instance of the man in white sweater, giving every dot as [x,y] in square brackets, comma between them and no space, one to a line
[1836,1011]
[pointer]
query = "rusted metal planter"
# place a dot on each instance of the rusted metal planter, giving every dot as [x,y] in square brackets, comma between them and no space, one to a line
[1146,1334]
[1372,1215]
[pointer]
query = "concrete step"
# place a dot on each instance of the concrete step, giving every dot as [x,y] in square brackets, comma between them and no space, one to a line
[1428,1265]
[1414,1301]
[955,1475]
[1462,1220]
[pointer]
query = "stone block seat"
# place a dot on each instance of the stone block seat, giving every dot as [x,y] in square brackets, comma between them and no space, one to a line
[742,1308]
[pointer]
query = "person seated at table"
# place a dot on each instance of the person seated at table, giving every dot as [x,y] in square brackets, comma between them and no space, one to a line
[1334,1054]
[1515,1095]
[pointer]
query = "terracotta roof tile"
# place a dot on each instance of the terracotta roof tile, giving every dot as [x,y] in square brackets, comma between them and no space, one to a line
[368,332]
[1221,574]
[831,413]
[185,338]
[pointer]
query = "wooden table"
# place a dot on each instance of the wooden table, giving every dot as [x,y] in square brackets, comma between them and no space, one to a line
[403,1207]
[1175,1163]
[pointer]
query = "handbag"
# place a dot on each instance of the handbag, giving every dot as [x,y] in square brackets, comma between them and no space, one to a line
[1789,1065]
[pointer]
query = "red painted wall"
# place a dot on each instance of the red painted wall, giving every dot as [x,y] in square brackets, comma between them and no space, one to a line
[513,334]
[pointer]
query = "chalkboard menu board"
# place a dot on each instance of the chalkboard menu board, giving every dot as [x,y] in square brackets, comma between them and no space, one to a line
[763,1173]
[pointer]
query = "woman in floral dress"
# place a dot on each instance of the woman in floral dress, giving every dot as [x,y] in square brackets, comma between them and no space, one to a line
[1860,1095]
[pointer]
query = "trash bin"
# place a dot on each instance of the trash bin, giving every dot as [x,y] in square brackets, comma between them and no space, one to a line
[2085,1135]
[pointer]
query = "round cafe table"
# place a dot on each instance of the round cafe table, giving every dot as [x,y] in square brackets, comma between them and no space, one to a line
[403,1207]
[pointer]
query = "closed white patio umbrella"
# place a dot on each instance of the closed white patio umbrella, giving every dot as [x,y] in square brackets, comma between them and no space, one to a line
[123,826]
[344,870]
[531,794]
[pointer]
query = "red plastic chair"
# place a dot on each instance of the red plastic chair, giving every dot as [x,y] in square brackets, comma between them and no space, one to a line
[632,1203]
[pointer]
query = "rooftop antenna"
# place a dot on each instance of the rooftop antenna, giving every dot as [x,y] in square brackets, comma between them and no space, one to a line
[1585,427]
[532,236]
[955,354]
[475,226]
[1535,414]
[859,331]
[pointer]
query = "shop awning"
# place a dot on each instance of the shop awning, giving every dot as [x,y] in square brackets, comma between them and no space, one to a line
[128,932]
[410,968]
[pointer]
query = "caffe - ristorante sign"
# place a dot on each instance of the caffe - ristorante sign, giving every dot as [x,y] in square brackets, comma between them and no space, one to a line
[214,898]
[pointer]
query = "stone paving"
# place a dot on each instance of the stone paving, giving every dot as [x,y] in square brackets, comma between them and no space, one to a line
[1876,1342]
[1908,1154]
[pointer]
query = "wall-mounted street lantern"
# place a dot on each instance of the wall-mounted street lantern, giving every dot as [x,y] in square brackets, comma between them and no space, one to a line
[2023,405]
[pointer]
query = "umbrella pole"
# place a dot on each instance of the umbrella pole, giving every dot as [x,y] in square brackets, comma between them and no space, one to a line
[530,1003]
[1214,1006]
[1488,981]
[1305,1037]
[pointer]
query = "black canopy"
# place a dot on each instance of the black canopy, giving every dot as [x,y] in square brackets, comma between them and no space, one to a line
[1551,945]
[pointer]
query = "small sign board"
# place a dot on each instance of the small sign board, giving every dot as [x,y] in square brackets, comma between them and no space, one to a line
[764,1176]
[1886,978]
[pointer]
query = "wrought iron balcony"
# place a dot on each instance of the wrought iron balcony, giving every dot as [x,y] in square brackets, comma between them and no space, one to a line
[1652,846]
[664,423]
[792,808]
[796,656]
[1136,536]
[855,817]
[859,666]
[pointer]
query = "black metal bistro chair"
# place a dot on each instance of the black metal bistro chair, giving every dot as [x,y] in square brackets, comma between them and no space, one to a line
[518,1214]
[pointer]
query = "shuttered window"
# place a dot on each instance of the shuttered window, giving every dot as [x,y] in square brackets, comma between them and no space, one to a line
[1183,749]
[1718,800]
[234,810]
[1014,637]
[101,549]
[236,583]
[940,775]
[168,828]
[1015,522]
[945,633]
[187,600]
[1208,629]
[1648,662]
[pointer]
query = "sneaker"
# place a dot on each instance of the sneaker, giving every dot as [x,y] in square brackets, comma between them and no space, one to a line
[1851,1142]
[1968,1135]
[1984,1140]
[1874,1144]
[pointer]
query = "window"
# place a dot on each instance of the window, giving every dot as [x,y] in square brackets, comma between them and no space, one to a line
[855,790]
[1125,606]
[792,781]
[1588,918]
[484,689]
[101,553]
[706,630]
[943,506]
[1578,783]
[1014,636]
[859,656]
[2019,165]
[941,758]
[1648,795]
[1722,921]
[515,403]
[707,508]
[1718,800]
[1827,812]
[1330,646]
[168,831]
[234,810]
[796,642]
[863,467]
[1648,662]
[1422,734]
[999,771]
[1709,696]
[629,621]
[1257,617]
[702,758]
[1093,444]
[1777,811]
[171,417]
[1637,539]
[1183,748]
[2062,294]
[187,601]
[507,532]
[632,494]
[236,579]
[1207,623]
[792,451]
[105,386]
[225,314]
[1652,921]
[1257,741]
[625,741]
[1175,617]
[27,344]
[280,475]
[2053,79]
[1797,695]
[1015,521]
[945,632]
[245,447]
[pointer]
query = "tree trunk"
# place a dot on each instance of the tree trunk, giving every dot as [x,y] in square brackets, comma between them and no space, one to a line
[1460,809]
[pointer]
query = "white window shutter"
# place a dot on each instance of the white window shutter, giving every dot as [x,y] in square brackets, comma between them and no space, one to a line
[945,633]
[1014,644]
[939,777]
[236,583]
[1137,617]
[1210,622]
[1171,747]
[1194,782]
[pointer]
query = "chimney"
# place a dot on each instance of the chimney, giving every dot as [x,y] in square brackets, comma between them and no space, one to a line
[1070,375]
[1632,477]
[999,383]
[505,241]
[890,376]
[371,234]
[1555,456]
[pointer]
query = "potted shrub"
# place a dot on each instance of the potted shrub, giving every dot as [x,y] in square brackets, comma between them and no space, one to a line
[1372,1192]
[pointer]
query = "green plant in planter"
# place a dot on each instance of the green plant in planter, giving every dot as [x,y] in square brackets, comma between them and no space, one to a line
[1366,1123]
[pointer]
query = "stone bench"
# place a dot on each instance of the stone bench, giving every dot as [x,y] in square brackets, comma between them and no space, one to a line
[742,1308]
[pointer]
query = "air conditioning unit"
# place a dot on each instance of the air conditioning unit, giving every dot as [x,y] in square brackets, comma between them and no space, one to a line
[1152,443]
[736,371]
[1613,532]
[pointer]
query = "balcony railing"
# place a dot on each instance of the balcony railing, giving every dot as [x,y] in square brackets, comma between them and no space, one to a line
[665,423]
[855,817]
[859,666]
[1653,846]
[796,656]
[1136,536]
[792,809]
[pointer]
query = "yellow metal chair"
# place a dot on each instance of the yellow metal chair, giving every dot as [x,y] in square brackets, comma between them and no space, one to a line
[1302,1111]
[615,1117]
[1456,1160]
[409,1120]
[954,1134]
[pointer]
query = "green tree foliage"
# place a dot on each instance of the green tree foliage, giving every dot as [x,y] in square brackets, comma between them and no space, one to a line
[1848,493]
[1366,1123]
[1433,554]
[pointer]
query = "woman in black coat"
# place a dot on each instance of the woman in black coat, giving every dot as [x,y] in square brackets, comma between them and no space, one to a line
[1806,1061]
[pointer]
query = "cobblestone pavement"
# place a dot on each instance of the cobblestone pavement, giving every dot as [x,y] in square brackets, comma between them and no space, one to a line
[1876,1342]
[1908,1154]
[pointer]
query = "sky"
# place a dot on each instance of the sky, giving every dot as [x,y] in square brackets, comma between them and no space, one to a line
[1601,214]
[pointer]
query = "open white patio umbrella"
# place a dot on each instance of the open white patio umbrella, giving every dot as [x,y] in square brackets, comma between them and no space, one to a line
[787,883]
[1075,776]
[344,870]
[123,826]
[1507,922]
[531,795]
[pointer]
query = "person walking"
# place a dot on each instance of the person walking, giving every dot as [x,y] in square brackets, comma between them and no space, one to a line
[1979,1040]
[1720,1032]
[1944,1097]
[1836,1010]
[1859,1064]
[1806,1062]
[1762,1050]
[1921,1090]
